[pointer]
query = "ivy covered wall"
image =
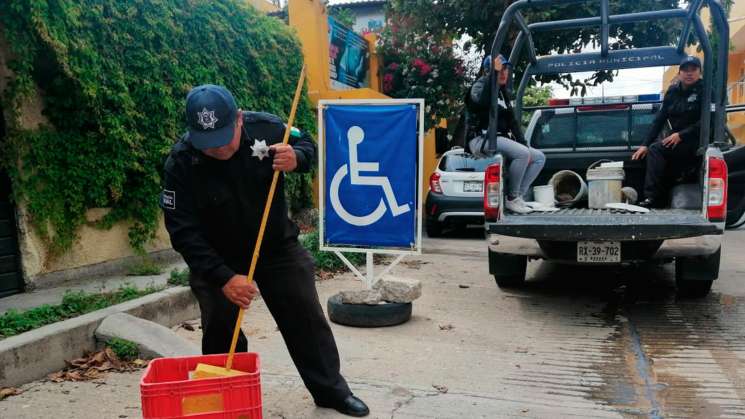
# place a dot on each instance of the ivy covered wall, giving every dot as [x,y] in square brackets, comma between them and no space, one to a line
[114,75]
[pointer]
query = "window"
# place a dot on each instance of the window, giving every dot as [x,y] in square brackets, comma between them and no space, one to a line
[602,129]
[554,131]
[465,163]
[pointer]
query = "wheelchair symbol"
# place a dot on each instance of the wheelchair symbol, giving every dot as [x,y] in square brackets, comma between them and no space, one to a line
[355,136]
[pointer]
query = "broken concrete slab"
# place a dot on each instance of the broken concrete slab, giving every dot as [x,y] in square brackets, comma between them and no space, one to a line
[369,297]
[398,290]
[152,339]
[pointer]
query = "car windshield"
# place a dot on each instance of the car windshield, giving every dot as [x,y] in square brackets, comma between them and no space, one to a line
[465,163]
[624,127]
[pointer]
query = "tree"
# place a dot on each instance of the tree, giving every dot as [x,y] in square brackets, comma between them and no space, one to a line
[478,20]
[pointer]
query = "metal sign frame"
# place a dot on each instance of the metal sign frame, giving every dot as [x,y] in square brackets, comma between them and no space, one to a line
[370,277]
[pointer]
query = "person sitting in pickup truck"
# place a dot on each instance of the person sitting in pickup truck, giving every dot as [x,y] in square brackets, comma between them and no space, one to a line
[525,163]
[676,153]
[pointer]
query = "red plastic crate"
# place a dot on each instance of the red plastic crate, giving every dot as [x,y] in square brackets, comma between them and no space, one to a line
[166,389]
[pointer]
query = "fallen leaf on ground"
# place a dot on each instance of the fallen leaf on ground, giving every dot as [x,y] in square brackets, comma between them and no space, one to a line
[439,387]
[93,365]
[464,286]
[447,327]
[187,326]
[9,391]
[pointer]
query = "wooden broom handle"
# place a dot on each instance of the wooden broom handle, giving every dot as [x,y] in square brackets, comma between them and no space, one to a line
[265,217]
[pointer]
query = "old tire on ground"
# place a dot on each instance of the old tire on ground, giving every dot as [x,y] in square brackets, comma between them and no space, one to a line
[363,315]
[694,276]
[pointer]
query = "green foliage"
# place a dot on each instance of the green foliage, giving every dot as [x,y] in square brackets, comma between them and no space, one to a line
[422,66]
[115,74]
[124,349]
[73,304]
[535,96]
[179,277]
[343,15]
[144,267]
[478,20]
[327,261]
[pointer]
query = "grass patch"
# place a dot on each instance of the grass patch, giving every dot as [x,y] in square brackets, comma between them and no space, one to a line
[179,277]
[74,303]
[144,267]
[124,349]
[328,261]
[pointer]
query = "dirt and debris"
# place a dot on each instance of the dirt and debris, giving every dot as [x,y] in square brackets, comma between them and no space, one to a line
[94,365]
[447,327]
[9,391]
[441,388]
[413,264]
[464,286]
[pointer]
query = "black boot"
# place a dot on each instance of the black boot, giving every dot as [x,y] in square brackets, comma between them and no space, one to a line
[351,406]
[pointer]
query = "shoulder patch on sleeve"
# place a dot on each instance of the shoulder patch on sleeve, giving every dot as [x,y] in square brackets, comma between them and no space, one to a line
[294,132]
[168,199]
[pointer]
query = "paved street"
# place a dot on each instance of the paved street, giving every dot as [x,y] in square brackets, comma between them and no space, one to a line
[573,343]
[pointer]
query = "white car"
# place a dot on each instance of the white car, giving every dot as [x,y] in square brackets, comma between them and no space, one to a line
[456,194]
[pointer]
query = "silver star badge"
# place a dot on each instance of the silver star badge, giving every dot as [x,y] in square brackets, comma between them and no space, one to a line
[207,119]
[260,149]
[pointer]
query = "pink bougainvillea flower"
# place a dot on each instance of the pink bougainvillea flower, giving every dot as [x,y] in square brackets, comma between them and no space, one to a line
[425,69]
[393,66]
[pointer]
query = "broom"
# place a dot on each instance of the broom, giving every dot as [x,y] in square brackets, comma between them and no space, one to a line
[209,371]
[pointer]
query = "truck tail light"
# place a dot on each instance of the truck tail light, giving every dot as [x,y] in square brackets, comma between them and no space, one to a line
[717,198]
[492,188]
[434,183]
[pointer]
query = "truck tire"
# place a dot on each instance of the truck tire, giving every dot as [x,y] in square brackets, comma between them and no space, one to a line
[508,270]
[363,315]
[694,276]
[434,229]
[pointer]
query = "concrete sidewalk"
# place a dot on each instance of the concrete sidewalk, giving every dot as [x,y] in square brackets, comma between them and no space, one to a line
[106,283]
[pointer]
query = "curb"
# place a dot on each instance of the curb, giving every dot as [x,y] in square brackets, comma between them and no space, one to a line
[34,354]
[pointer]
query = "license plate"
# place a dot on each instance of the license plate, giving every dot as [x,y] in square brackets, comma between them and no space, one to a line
[598,252]
[473,186]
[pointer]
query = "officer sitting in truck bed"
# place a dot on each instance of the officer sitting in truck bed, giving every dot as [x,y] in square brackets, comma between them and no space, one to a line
[675,155]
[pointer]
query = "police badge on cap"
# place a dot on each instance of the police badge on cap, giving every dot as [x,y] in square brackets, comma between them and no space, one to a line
[211,112]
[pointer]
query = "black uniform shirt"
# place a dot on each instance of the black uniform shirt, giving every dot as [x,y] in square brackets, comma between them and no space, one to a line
[682,107]
[213,208]
[478,102]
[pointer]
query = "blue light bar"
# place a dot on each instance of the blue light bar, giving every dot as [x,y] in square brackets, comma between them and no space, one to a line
[655,97]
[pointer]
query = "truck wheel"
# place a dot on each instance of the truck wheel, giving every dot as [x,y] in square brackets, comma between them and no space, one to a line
[508,270]
[694,276]
[434,229]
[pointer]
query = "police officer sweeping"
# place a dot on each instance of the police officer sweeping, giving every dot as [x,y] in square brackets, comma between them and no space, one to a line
[674,155]
[217,180]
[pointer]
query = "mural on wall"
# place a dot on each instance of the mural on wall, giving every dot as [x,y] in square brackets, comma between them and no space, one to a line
[348,56]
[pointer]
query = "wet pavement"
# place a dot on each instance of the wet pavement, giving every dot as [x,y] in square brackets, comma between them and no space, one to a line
[575,342]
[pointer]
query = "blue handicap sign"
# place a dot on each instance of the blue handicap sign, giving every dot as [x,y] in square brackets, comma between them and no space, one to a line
[370,194]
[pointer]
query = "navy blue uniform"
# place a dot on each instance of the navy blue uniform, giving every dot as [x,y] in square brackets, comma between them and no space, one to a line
[681,109]
[213,210]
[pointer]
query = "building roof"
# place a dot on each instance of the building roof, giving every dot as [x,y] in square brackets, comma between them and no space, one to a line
[355,3]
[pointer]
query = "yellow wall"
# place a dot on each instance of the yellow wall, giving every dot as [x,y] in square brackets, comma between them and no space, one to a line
[310,20]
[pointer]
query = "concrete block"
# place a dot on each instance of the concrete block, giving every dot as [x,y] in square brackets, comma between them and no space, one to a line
[152,339]
[370,297]
[398,290]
